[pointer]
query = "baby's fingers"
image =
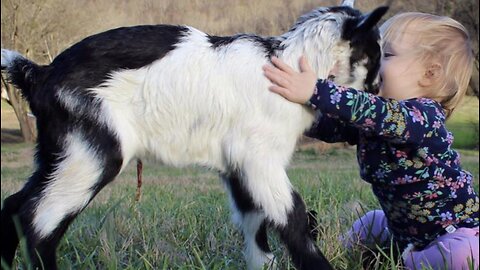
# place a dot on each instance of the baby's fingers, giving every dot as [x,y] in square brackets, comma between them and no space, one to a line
[304,65]
[276,77]
[282,66]
[280,90]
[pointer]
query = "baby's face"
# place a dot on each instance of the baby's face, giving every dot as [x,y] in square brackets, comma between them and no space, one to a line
[401,70]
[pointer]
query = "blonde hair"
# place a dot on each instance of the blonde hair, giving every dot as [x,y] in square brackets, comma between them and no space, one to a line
[443,40]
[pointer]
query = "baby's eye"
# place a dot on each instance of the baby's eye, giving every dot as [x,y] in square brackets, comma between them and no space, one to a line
[387,54]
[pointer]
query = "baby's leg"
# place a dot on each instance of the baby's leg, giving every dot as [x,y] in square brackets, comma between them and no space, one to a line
[369,230]
[368,234]
[457,250]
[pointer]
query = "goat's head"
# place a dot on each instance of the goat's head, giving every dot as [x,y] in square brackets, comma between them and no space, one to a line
[340,36]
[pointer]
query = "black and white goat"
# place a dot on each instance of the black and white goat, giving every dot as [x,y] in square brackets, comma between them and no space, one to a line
[182,97]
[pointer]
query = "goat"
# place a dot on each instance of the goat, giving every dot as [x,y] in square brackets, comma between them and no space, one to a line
[182,97]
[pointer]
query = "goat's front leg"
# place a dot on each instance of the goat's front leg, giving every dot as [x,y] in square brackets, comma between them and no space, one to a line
[297,236]
[251,220]
[270,189]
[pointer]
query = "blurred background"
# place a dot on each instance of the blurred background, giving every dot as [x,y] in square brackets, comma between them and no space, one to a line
[41,29]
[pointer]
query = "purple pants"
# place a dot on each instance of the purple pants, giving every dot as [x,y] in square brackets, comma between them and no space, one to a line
[456,249]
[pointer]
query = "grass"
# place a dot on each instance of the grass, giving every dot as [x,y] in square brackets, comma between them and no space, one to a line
[183,222]
[464,124]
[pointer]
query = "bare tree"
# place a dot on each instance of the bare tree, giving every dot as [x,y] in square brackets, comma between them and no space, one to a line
[14,97]
[20,107]
[29,26]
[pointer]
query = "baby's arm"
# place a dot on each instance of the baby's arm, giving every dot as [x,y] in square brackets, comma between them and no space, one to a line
[399,121]
[332,130]
[406,121]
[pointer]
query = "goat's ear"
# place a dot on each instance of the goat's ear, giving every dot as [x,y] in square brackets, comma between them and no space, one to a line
[371,19]
[356,28]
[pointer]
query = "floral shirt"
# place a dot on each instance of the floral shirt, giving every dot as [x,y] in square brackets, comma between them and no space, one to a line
[404,152]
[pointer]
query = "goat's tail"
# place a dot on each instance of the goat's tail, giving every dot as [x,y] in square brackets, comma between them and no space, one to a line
[20,71]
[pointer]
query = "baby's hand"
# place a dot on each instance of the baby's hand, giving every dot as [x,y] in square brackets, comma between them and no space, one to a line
[295,86]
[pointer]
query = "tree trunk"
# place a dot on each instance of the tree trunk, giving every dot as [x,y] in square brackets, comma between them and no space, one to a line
[20,107]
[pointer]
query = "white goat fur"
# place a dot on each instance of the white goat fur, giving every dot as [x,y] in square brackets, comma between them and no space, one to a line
[205,106]
[220,127]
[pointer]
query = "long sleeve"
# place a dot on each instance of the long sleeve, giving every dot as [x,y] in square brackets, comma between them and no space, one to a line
[404,121]
[329,129]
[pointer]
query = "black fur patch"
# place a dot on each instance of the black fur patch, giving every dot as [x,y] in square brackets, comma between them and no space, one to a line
[269,44]
[364,40]
[262,239]
[10,239]
[244,202]
[22,73]
[88,63]
[298,238]
[243,199]
[364,46]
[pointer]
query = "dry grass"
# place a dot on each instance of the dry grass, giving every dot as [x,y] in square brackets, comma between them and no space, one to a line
[41,29]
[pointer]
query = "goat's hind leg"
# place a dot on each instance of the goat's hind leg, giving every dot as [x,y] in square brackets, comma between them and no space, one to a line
[17,217]
[9,236]
[57,196]
[251,220]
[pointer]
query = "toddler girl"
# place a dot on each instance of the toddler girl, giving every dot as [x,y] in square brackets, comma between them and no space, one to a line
[429,207]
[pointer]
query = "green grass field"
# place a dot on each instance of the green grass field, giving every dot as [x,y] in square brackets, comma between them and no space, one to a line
[464,124]
[183,222]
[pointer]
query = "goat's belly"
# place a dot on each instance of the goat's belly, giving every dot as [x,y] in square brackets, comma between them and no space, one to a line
[180,146]
[215,138]
[170,134]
